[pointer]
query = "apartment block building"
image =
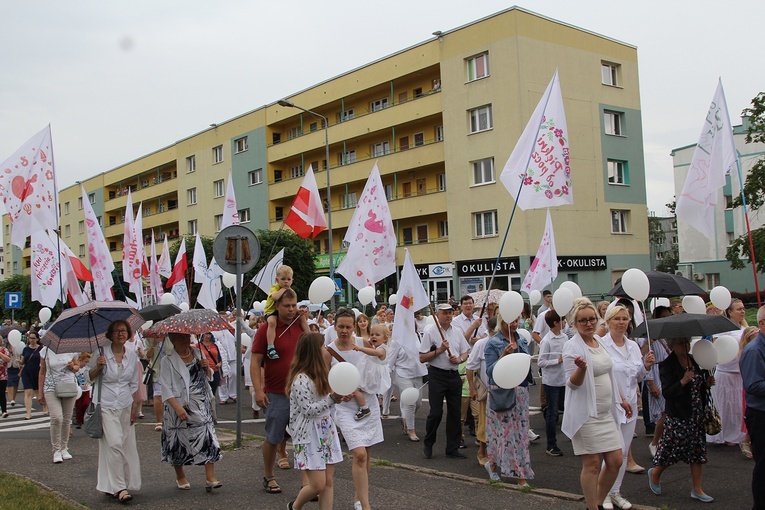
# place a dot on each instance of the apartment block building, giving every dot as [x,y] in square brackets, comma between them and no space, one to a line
[440,120]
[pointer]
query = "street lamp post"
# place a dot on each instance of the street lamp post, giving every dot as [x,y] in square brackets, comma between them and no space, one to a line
[289,104]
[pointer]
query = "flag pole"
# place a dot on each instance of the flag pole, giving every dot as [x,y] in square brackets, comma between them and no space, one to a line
[749,233]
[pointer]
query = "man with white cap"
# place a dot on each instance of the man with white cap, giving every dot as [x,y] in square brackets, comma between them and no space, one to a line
[444,355]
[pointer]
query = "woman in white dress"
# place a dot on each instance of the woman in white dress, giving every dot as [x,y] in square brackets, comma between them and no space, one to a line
[726,393]
[592,408]
[629,369]
[360,436]
[313,431]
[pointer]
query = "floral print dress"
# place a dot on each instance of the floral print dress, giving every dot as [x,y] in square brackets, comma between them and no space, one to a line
[684,440]
[312,427]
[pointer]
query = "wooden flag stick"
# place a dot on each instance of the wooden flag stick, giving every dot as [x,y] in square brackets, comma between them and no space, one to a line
[438,327]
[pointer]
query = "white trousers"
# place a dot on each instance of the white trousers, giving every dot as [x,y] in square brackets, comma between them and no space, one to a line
[227,388]
[118,464]
[627,430]
[408,412]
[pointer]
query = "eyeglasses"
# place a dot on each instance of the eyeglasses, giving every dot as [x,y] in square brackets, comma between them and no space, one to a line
[120,332]
[584,322]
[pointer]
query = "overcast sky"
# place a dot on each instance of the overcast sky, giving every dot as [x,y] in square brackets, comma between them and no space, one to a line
[117,80]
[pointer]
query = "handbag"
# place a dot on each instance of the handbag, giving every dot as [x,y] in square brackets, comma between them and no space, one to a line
[92,424]
[501,399]
[481,391]
[712,422]
[66,389]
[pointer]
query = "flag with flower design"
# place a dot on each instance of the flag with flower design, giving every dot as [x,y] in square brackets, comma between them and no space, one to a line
[538,172]
[544,268]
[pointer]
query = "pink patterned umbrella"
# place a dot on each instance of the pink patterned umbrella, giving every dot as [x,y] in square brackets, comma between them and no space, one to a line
[486,296]
[193,322]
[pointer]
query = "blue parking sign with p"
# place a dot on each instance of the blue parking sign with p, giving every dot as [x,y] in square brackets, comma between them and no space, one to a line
[13,300]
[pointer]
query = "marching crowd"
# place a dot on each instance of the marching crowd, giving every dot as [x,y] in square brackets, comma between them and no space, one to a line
[595,376]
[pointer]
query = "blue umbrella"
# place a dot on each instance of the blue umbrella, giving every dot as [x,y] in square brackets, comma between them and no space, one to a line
[83,329]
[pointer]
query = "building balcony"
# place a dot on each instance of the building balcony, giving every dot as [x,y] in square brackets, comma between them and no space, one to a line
[168,214]
[149,189]
[434,251]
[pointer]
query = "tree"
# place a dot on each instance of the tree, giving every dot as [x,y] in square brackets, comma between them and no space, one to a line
[669,262]
[29,310]
[754,191]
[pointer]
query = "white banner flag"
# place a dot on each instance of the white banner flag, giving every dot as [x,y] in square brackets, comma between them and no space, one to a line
[101,264]
[28,188]
[211,284]
[164,263]
[544,268]
[155,282]
[372,251]
[411,297]
[267,275]
[540,161]
[714,157]
[46,285]
[230,212]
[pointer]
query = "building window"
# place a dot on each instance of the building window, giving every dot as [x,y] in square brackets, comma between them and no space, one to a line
[619,219]
[419,139]
[82,250]
[79,203]
[293,133]
[443,229]
[244,215]
[255,177]
[441,178]
[380,149]
[610,73]
[388,192]
[346,158]
[218,222]
[218,189]
[277,176]
[485,223]
[403,97]
[240,144]
[113,246]
[346,115]
[408,236]
[478,66]
[618,172]
[192,227]
[713,280]
[480,119]
[68,231]
[296,171]
[191,196]
[279,213]
[422,234]
[66,207]
[191,164]
[439,133]
[612,122]
[92,198]
[218,154]
[348,200]
[417,92]
[422,186]
[378,105]
[81,227]
[483,171]
[314,126]
[403,143]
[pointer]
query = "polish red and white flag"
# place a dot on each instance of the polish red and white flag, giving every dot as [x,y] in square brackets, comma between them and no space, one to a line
[306,216]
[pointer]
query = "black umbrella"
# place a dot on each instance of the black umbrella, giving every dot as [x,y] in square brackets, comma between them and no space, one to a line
[665,285]
[685,324]
[158,312]
[82,329]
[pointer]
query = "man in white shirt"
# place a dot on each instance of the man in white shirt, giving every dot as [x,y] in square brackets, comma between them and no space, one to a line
[443,357]
[473,327]
[547,303]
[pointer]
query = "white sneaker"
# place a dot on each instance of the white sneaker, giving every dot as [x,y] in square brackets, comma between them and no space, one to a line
[620,502]
[533,436]
[652,448]
[607,505]
[66,455]
[57,458]
[357,505]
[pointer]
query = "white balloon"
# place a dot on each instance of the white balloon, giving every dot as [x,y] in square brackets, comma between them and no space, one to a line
[726,347]
[246,340]
[184,307]
[510,306]
[322,289]
[694,304]
[661,301]
[258,307]
[635,284]
[356,311]
[229,280]
[45,313]
[563,300]
[366,295]
[168,299]
[705,354]
[573,288]
[344,378]
[14,336]
[525,334]
[146,325]
[720,297]
[534,297]
[393,300]
[409,396]
[512,370]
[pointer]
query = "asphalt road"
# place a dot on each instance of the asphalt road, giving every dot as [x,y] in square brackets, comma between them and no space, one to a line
[401,479]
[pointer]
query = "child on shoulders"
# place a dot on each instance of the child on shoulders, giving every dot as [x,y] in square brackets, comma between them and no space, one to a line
[283,282]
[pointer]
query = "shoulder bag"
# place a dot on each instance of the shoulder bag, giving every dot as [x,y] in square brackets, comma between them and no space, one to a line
[501,399]
[92,423]
[481,390]
[712,422]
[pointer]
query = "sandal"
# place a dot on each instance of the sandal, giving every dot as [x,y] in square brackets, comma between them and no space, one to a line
[746,449]
[123,496]
[284,463]
[271,489]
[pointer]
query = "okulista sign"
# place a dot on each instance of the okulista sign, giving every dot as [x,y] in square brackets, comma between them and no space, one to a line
[486,266]
[581,262]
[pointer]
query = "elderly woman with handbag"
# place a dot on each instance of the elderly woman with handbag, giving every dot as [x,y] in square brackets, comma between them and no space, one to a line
[58,390]
[188,432]
[115,376]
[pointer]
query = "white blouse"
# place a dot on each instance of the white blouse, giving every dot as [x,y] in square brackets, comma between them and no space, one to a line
[119,380]
[628,370]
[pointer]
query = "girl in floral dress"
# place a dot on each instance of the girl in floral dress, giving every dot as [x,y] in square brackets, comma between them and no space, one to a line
[313,431]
